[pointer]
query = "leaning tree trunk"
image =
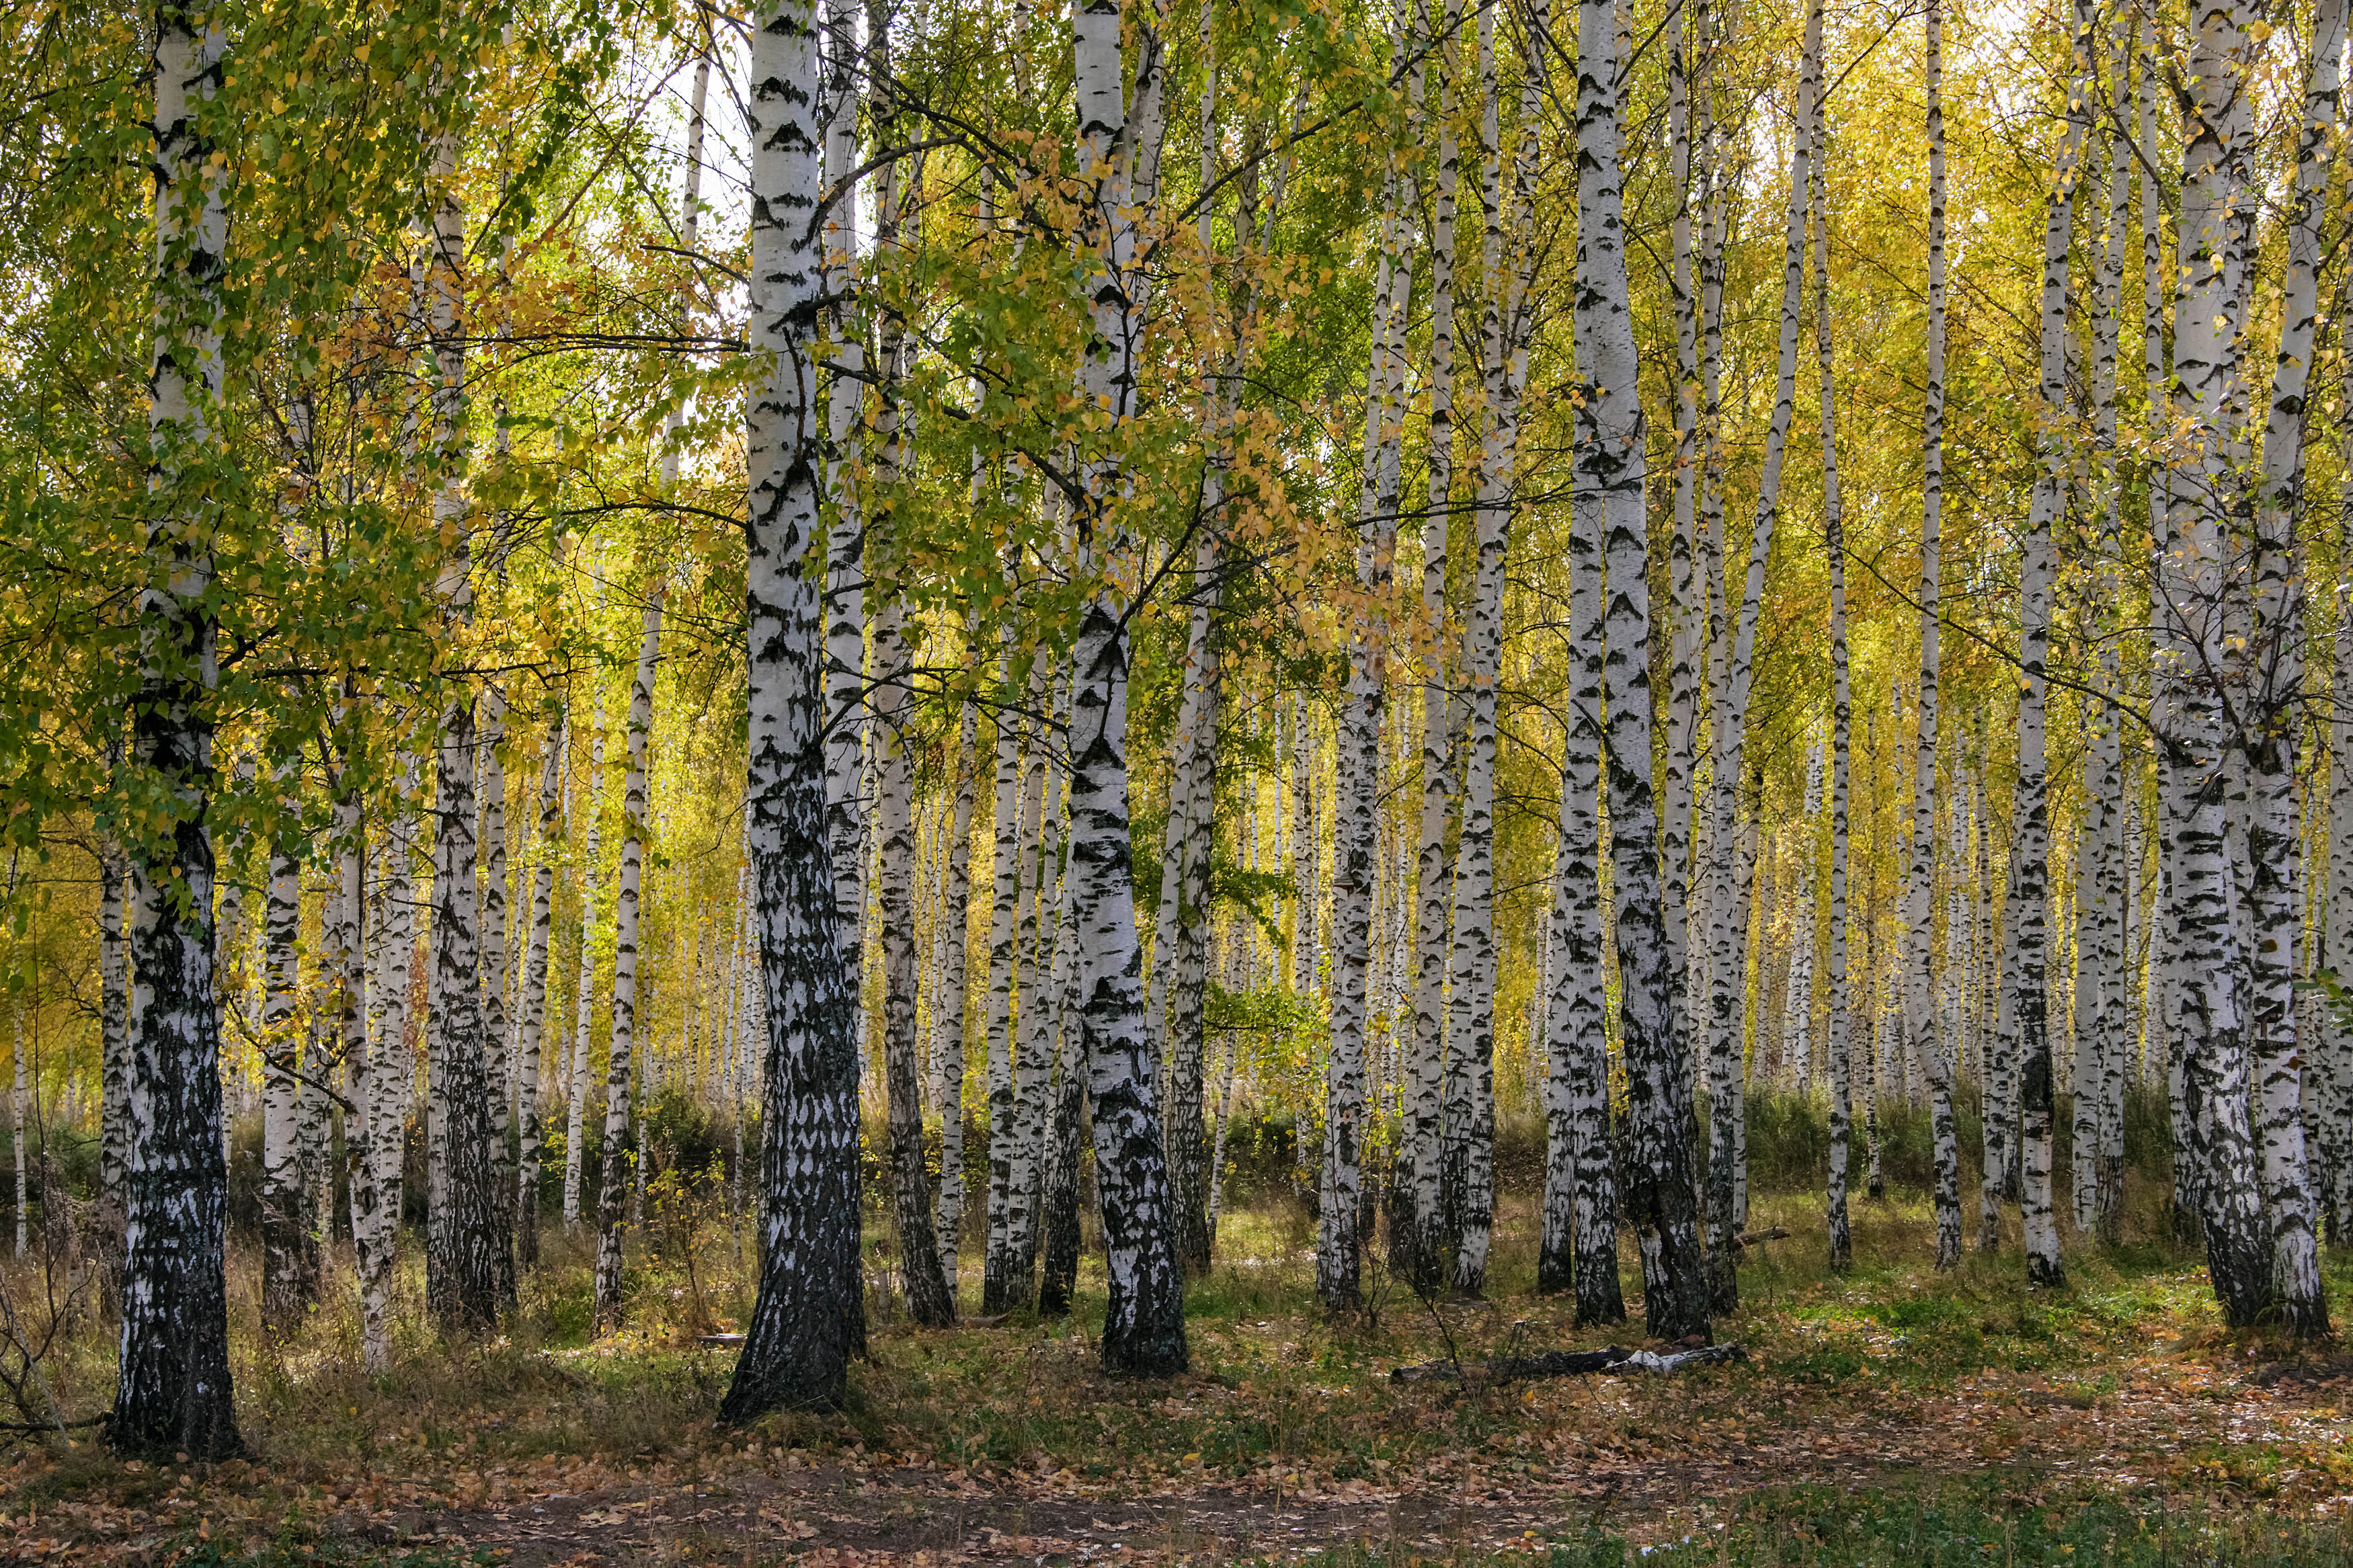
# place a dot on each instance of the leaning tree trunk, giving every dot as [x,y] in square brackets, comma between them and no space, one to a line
[612,1187]
[171,1388]
[809,1318]
[1661,1195]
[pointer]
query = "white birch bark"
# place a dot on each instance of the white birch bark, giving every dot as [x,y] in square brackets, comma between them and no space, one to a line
[1144,1330]
[2271,726]
[613,1167]
[173,1387]
[1506,270]
[532,1037]
[948,1007]
[809,1317]
[1730,720]
[1930,1024]
[2029,848]
[1423,1112]
[1662,1191]
[1841,1236]
[1355,823]
[286,1284]
[576,1108]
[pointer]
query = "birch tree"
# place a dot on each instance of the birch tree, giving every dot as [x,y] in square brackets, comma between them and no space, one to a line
[172,1383]
[809,1317]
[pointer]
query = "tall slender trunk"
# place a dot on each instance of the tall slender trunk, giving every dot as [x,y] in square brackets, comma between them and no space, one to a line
[948,1007]
[1687,617]
[1506,268]
[1144,1323]
[533,1034]
[1580,1244]
[1661,1192]
[1004,932]
[1355,807]
[1841,1236]
[2269,730]
[2110,1033]
[172,1383]
[613,1167]
[391,1065]
[845,574]
[114,1026]
[2337,1108]
[1044,942]
[465,1246]
[1939,1046]
[347,950]
[809,1318]
[575,1096]
[2029,848]
[288,1286]
[497,960]
[1730,724]
[1306,885]
[1421,1145]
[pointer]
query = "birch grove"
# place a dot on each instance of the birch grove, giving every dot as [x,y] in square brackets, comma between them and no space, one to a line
[1211,615]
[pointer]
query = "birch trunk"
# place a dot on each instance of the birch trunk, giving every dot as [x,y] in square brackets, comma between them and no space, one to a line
[613,1166]
[1418,1257]
[1580,1244]
[575,1112]
[2270,731]
[1939,1046]
[1662,1196]
[1356,820]
[1143,1325]
[809,1318]
[2194,626]
[845,578]
[1505,268]
[1729,723]
[2030,849]
[465,1245]
[288,1284]
[1003,930]
[1841,1236]
[172,1385]
[948,1008]
[533,1031]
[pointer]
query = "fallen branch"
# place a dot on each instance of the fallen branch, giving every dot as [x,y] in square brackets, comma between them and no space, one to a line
[1568,1363]
[1752,1238]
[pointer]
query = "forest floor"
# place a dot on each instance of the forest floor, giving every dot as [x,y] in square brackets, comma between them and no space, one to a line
[1890,1415]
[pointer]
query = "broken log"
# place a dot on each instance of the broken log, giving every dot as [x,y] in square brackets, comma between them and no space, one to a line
[1567,1364]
